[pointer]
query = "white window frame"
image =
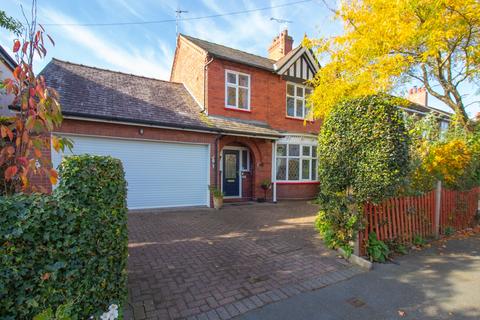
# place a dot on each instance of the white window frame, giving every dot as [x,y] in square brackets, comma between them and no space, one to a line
[295,98]
[300,158]
[237,86]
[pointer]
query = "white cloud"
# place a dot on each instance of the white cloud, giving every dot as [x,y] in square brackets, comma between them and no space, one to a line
[146,61]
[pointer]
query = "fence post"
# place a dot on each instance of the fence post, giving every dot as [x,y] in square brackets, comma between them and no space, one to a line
[438,203]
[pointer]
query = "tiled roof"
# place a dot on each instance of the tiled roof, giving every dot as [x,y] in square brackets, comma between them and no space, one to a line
[90,92]
[231,54]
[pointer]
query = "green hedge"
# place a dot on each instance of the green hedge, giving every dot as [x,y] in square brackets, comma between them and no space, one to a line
[69,247]
[364,145]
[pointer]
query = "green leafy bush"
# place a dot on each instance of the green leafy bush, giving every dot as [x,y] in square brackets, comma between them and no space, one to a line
[449,231]
[377,250]
[363,145]
[69,247]
[337,223]
[419,241]
[363,156]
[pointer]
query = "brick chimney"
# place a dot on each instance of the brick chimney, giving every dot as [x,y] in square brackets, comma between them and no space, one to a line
[418,95]
[281,45]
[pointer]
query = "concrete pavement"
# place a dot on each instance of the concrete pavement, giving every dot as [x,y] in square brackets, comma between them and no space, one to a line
[441,282]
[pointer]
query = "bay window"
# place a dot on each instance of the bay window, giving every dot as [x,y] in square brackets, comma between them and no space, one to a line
[296,162]
[296,100]
[237,90]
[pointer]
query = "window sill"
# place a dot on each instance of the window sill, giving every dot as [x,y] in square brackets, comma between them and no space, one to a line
[297,182]
[237,109]
[299,119]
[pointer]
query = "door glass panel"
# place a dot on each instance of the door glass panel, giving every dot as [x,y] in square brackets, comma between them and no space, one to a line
[230,166]
[245,160]
[293,169]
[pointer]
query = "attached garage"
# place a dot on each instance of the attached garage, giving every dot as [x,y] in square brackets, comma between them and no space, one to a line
[159,174]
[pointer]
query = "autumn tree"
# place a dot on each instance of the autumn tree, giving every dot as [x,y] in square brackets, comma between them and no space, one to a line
[25,135]
[386,44]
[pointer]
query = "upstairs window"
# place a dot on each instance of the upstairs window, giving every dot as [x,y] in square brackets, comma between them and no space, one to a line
[237,90]
[296,100]
[296,162]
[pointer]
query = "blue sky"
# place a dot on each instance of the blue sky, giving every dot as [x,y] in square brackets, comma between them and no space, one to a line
[148,49]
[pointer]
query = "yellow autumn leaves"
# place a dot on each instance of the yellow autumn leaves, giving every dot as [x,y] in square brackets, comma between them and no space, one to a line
[385,44]
[448,160]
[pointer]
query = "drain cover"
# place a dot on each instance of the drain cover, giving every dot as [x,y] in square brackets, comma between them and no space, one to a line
[356,302]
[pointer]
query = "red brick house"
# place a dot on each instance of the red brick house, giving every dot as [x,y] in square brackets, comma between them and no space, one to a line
[226,118]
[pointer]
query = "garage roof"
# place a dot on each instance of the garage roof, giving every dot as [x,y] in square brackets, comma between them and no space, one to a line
[90,92]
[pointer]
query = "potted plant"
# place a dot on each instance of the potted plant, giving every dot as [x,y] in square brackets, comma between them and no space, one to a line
[217,197]
[265,185]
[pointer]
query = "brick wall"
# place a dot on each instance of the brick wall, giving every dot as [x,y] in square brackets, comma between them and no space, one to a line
[297,191]
[188,68]
[267,97]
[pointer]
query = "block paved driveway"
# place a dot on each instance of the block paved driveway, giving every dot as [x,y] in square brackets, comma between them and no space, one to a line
[208,264]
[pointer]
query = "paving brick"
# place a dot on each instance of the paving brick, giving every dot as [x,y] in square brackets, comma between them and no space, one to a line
[205,264]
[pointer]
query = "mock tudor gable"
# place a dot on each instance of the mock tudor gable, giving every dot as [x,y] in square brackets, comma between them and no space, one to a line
[298,64]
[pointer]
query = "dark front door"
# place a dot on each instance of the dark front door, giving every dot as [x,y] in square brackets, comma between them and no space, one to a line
[231,177]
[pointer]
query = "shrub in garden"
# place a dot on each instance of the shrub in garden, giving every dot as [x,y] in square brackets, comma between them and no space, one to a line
[363,156]
[377,250]
[452,157]
[363,145]
[69,247]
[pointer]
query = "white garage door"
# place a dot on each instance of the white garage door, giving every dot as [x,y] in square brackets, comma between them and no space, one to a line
[158,174]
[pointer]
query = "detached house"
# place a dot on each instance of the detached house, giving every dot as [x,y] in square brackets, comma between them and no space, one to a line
[226,118]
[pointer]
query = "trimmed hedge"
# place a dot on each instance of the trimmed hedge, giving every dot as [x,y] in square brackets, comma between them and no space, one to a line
[364,145]
[69,247]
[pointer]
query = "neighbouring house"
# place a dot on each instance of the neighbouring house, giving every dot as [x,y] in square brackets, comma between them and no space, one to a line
[227,118]
[7,65]
[419,106]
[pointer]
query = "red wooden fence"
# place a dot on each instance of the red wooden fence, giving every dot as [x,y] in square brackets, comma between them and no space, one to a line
[403,218]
